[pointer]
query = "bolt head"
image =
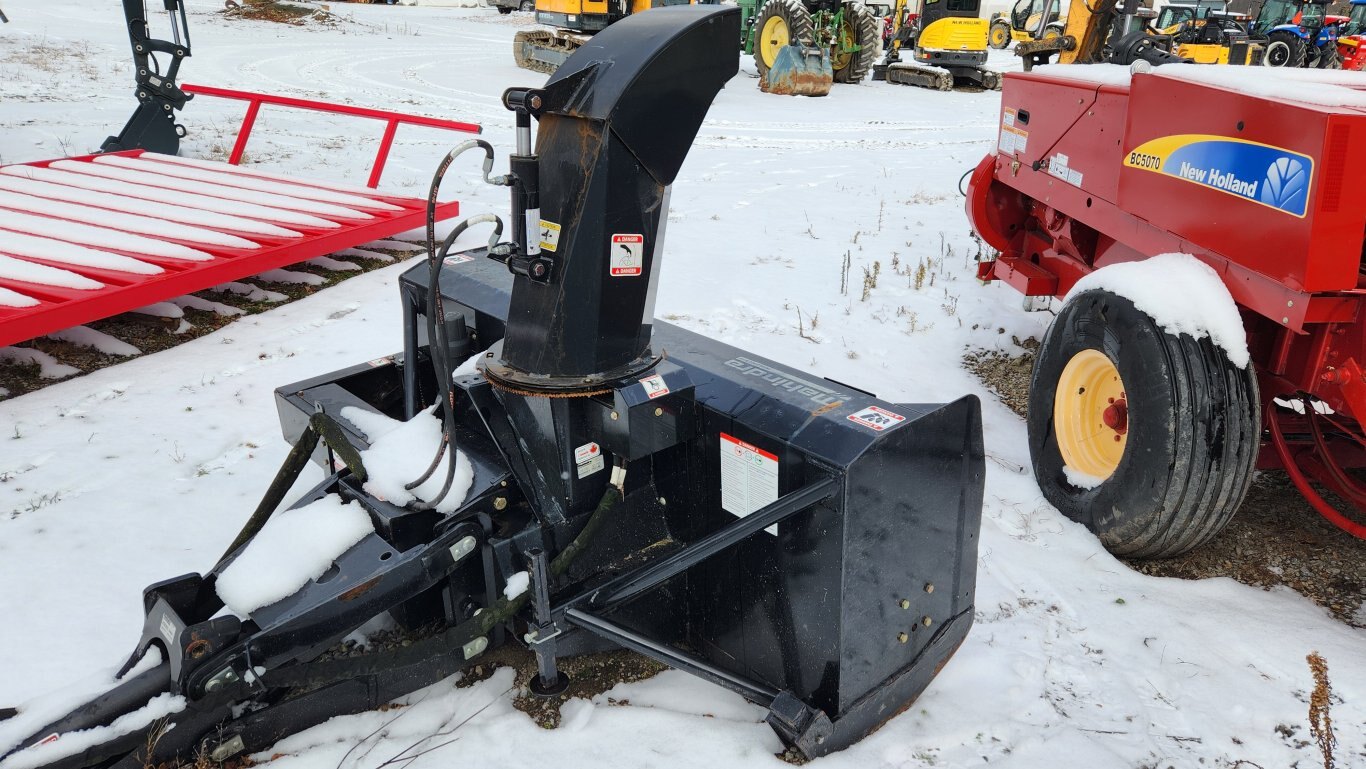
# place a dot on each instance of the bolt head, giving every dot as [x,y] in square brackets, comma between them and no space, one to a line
[905,604]
[659,412]
[500,503]
[902,637]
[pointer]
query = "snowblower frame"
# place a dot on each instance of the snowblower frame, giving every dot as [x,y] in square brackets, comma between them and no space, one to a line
[610,456]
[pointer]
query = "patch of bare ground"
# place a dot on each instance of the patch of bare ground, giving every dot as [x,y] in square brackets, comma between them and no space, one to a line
[589,675]
[296,14]
[1275,539]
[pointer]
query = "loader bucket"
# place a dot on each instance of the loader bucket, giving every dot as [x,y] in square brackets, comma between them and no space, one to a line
[799,71]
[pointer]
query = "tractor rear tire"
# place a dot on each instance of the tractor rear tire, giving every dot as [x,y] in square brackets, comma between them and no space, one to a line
[779,22]
[1329,58]
[1284,49]
[1162,450]
[998,36]
[865,29]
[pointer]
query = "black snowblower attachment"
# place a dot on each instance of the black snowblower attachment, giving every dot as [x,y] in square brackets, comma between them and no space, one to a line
[785,536]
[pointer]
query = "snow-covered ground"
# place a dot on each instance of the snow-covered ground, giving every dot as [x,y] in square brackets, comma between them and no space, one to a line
[146,469]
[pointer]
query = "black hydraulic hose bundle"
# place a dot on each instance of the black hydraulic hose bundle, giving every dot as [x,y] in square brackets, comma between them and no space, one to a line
[438,344]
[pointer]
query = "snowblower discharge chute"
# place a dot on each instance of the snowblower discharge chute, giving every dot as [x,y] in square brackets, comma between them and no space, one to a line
[785,536]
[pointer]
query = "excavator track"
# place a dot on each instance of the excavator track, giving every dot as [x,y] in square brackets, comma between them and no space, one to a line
[907,73]
[543,50]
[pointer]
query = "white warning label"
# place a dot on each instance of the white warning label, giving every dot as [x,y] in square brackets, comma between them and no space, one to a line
[749,478]
[628,254]
[877,418]
[654,386]
[588,459]
[550,235]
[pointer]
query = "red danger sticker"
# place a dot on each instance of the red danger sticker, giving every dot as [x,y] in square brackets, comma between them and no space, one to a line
[628,255]
[876,418]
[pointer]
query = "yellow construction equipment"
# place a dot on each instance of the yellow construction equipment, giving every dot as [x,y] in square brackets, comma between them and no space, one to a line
[574,22]
[949,43]
[1026,21]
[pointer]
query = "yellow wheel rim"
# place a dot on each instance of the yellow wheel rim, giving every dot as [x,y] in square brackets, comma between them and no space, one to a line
[998,36]
[772,37]
[840,55]
[1091,414]
[1051,34]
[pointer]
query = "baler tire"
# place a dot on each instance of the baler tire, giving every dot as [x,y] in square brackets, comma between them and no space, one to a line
[1292,45]
[998,37]
[796,19]
[1192,430]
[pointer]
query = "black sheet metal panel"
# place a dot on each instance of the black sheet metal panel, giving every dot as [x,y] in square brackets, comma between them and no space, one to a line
[616,121]
[852,605]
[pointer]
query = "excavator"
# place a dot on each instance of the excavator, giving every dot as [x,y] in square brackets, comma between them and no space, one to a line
[948,40]
[574,22]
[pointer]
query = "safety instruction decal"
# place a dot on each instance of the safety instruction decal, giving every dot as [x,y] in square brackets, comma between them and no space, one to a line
[655,387]
[1013,140]
[1057,166]
[1008,116]
[1271,176]
[877,419]
[628,255]
[749,478]
[550,235]
[455,259]
[588,459]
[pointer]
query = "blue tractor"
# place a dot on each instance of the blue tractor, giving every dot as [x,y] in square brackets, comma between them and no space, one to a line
[1297,34]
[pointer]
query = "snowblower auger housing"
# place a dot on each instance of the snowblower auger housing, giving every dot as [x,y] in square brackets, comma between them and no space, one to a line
[788,537]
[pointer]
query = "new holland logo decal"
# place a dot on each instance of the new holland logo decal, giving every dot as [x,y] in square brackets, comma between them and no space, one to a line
[1272,176]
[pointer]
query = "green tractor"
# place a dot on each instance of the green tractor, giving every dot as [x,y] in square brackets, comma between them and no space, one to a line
[846,31]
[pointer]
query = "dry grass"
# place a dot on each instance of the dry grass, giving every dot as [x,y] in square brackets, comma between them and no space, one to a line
[1320,702]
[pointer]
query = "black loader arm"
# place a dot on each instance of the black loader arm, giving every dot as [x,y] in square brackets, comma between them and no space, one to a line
[152,126]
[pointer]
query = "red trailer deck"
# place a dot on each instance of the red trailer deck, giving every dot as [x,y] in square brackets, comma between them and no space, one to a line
[89,237]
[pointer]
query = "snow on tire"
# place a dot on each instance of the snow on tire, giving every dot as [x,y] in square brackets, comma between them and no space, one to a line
[1167,436]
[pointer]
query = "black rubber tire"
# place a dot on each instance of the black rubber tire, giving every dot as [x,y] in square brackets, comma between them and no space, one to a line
[1292,47]
[527,6]
[1193,433]
[998,36]
[798,21]
[1329,58]
[867,27]
[505,9]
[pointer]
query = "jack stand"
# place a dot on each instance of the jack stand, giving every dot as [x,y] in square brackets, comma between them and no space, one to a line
[549,681]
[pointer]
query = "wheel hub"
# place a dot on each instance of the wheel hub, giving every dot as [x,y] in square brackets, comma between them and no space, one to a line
[1091,414]
[772,38]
